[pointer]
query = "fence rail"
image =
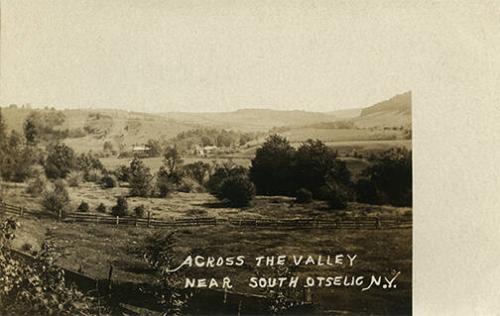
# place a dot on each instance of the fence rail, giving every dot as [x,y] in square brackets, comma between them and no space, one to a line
[364,222]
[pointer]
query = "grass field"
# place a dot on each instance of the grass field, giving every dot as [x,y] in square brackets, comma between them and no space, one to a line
[90,249]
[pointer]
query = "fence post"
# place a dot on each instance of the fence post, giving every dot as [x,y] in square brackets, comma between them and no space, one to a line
[96,219]
[307,295]
[117,220]
[22,211]
[59,215]
[110,275]
[149,218]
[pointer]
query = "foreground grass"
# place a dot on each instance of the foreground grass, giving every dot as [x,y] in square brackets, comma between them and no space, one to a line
[90,249]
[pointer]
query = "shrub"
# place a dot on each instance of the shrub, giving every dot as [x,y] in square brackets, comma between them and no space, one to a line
[237,191]
[26,247]
[335,195]
[56,200]
[83,207]
[101,208]
[163,186]
[189,185]
[139,211]
[107,182]
[156,249]
[303,196]
[36,186]
[222,172]
[197,170]
[93,175]
[121,207]
[74,178]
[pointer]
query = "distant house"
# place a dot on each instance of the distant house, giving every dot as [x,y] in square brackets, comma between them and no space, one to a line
[140,150]
[204,151]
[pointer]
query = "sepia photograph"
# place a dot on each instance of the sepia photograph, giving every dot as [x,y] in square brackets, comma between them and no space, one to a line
[205,158]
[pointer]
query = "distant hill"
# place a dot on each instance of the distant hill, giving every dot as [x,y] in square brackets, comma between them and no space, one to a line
[346,114]
[251,119]
[395,111]
[124,128]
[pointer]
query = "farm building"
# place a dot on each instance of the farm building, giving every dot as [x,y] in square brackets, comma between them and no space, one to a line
[140,150]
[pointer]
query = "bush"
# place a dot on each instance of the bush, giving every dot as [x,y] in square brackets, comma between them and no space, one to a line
[36,186]
[189,185]
[56,200]
[107,182]
[139,211]
[222,172]
[83,207]
[303,196]
[93,175]
[121,207]
[74,178]
[101,208]
[163,186]
[237,191]
[335,195]
[197,170]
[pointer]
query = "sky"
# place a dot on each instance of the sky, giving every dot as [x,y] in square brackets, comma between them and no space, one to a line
[204,56]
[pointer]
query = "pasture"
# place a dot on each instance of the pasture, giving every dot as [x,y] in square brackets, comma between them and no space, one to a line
[90,249]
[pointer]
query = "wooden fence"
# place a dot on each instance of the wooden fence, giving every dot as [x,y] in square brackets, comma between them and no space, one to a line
[340,222]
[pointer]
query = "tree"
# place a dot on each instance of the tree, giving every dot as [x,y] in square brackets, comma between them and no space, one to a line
[391,176]
[121,207]
[237,191]
[30,131]
[271,168]
[3,129]
[154,148]
[60,161]
[171,159]
[139,178]
[334,194]
[197,170]
[367,192]
[315,163]
[121,173]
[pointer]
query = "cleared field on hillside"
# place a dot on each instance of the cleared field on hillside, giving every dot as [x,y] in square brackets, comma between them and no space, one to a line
[337,135]
[156,162]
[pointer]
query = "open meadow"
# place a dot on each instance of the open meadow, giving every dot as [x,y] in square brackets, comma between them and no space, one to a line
[90,249]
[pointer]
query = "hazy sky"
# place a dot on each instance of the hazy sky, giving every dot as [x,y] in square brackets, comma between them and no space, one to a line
[223,55]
